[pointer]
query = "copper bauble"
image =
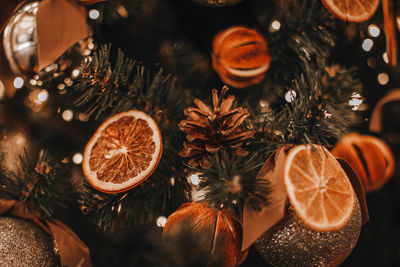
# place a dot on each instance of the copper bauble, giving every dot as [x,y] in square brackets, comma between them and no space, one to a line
[197,235]
[291,243]
[20,44]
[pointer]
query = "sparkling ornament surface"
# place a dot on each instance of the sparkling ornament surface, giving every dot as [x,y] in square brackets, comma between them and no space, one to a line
[20,44]
[291,243]
[217,3]
[25,244]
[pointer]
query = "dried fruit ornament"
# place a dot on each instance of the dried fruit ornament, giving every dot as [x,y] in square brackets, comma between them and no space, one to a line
[370,157]
[353,10]
[321,222]
[123,152]
[240,56]
[209,129]
[197,235]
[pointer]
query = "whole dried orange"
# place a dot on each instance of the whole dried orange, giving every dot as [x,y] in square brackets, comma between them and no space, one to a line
[318,188]
[123,152]
[352,10]
[240,56]
[371,158]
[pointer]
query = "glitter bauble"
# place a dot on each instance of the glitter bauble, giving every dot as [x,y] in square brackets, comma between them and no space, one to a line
[24,244]
[217,3]
[291,243]
[21,47]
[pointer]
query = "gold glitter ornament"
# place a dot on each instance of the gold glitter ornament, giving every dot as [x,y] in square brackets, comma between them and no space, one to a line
[291,243]
[24,244]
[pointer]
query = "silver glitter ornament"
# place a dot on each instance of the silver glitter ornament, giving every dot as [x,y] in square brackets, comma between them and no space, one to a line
[24,244]
[20,44]
[217,3]
[291,243]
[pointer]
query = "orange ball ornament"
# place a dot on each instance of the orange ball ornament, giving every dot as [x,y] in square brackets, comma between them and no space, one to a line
[197,235]
[371,159]
[240,56]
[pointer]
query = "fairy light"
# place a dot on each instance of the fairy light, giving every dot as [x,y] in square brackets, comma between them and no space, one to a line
[383,78]
[67,115]
[39,83]
[83,117]
[355,101]
[161,221]
[373,30]
[275,25]
[172,181]
[2,90]
[33,82]
[75,73]
[18,82]
[194,179]
[68,81]
[43,95]
[61,86]
[385,58]
[77,158]
[367,45]
[94,14]
[290,95]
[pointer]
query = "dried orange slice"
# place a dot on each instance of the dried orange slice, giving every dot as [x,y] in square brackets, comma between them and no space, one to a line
[352,10]
[318,188]
[123,152]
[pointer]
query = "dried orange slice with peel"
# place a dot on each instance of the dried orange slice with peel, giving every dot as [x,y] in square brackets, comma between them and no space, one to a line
[352,10]
[123,152]
[318,188]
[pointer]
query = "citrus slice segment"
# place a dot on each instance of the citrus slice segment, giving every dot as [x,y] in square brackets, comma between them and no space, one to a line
[318,188]
[352,10]
[123,152]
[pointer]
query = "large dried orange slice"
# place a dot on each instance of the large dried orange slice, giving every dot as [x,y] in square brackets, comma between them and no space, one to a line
[123,152]
[352,10]
[318,188]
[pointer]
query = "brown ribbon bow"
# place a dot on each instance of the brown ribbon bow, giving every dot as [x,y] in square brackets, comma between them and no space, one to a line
[59,25]
[72,251]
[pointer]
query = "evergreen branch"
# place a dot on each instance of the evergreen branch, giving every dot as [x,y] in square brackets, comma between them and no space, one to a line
[305,35]
[125,85]
[232,180]
[41,184]
[319,113]
[165,190]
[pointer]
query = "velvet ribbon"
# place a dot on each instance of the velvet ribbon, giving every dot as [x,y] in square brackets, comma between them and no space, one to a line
[72,251]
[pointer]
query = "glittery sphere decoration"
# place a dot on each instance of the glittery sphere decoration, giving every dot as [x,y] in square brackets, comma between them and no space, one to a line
[217,3]
[25,244]
[291,243]
[21,46]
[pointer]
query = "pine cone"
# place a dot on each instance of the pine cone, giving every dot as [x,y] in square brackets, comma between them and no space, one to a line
[209,130]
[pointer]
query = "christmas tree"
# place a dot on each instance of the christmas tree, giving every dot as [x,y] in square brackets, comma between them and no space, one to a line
[199,133]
